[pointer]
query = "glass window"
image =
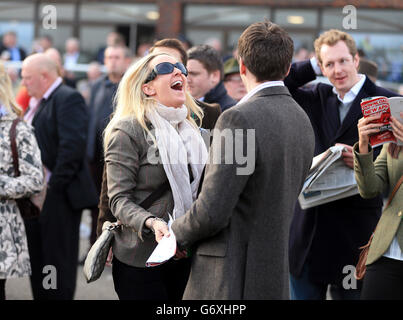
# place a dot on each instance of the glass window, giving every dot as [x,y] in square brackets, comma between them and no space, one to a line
[24,31]
[367,19]
[19,11]
[209,15]
[93,38]
[201,36]
[302,40]
[296,18]
[119,12]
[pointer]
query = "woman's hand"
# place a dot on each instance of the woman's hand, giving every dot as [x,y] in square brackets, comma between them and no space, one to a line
[365,129]
[397,127]
[159,227]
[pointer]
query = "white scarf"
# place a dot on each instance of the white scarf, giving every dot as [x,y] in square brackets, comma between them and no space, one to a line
[177,149]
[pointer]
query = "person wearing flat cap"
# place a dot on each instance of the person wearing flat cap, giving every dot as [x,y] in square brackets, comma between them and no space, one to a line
[232,80]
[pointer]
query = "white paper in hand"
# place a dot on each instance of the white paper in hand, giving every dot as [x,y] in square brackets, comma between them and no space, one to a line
[165,249]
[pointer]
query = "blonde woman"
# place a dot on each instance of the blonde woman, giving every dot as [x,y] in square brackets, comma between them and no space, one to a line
[151,139]
[14,257]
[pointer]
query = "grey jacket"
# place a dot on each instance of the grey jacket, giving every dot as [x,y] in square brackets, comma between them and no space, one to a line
[239,225]
[131,179]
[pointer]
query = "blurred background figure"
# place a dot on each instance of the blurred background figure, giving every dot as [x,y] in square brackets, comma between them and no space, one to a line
[232,80]
[112,39]
[56,57]
[205,76]
[301,54]
[369,68]
[84,86]
[45,42]
[74,56]
[9,49]
[142,49]
[117,61]
[215,43]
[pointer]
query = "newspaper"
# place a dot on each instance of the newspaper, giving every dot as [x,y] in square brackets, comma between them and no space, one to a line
[329,179]
[165,249]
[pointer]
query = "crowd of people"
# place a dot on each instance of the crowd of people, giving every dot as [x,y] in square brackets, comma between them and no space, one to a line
[107,141]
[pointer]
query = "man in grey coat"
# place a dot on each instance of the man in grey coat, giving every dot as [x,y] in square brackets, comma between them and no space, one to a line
[238,227]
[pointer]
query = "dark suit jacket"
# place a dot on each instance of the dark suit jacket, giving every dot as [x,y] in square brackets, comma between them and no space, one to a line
[219,95]
[211,113]
[61,125]
[328,236]
[21,51]
[240,222]
[101,107]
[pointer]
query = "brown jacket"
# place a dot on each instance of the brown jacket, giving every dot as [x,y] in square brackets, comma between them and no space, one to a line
[132,177]
[239,225]
[211,114]
[372,179]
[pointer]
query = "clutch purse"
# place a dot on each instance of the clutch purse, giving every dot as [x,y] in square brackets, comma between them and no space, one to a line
[96,258]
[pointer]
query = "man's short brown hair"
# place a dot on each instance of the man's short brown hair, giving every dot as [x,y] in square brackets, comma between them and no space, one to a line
[330,38]
[266,50]
[173,44]
[209,57]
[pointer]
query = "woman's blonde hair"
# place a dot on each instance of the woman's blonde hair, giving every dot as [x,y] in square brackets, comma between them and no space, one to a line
[6,93]
[131,101]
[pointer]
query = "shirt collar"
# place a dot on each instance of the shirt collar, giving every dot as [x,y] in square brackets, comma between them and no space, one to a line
[33,101]
[350,96]
[261,86]
[52,88]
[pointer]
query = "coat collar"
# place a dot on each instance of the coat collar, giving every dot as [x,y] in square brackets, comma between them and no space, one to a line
[355,111]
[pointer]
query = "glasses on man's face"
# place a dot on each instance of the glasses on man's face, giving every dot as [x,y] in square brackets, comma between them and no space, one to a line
[166,68]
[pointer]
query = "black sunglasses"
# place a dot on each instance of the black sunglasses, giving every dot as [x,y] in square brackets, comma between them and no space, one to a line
[166,68]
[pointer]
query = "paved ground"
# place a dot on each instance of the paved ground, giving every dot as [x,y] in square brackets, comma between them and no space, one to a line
[102,289]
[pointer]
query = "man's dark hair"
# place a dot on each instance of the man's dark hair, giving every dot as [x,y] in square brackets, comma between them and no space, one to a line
[266,50]
[173,44]
[208,56]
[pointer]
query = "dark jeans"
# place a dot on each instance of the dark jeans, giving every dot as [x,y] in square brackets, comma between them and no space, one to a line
[2,289]
[303,288]
[383,280]
[164,282]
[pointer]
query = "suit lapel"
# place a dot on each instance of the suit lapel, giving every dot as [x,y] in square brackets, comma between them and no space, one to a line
[355,111]
[38,111]
[43,103]
[333,116]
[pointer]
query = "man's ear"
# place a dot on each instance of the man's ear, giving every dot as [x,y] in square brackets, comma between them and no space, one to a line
[289,68]
[356,60]
[148,89]
[215,77]
[242,67]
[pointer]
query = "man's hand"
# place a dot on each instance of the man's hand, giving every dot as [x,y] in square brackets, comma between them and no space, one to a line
[347,155]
